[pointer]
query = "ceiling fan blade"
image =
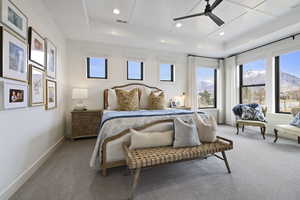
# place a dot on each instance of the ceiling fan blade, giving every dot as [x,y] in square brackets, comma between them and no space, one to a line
[188,16]
[215,4]
[216,19]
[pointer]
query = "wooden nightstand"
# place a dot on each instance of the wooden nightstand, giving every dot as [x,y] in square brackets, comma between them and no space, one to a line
[84,123]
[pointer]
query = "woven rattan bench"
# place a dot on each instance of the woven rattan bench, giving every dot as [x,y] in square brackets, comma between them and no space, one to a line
[150,157]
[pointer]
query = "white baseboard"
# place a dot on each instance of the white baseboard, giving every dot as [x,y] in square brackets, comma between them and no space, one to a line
[22,178]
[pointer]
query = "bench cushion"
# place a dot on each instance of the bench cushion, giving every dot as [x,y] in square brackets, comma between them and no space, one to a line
[288,129]
[140,158]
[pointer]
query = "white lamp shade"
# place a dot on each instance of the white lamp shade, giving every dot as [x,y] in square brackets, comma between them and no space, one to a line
[79,93]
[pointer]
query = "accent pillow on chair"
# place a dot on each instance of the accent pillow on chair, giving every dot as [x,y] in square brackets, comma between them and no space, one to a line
[157,101]
[252,114]
[207,128]
[185,134]
[150,139]
[296,120]
[128,100]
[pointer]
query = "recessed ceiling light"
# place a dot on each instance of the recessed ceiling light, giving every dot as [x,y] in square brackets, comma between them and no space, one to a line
[222,33]
[178,25]
[116,11]
[162,41]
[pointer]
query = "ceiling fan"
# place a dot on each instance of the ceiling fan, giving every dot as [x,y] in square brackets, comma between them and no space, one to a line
[207,12]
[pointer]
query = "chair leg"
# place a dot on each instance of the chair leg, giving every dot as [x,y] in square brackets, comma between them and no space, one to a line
[237,128]
[135,182]
[226,162]
[104,172]
[263,132]
[298,140]
[243,128]
[276,135]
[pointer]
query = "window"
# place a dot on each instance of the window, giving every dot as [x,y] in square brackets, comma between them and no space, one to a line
[207,87]
[97,68]
[287,81]
[167,72]
[134,70]
[252,82]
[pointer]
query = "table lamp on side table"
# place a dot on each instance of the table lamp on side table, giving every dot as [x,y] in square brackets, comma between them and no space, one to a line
[79,94]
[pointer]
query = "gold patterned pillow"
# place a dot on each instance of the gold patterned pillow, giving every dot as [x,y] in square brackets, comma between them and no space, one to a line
[128,100]
[157,101]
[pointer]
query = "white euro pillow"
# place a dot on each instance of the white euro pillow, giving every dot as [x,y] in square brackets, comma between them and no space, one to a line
[207,128]
[140,140]
[112,100]
[144,101]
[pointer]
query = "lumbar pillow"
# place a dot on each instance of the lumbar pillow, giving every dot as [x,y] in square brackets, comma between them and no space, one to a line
[144,102]
[296,120]
[250,113]
[128,100]
[206,128]
[157,101]
[185,133]
[150,139]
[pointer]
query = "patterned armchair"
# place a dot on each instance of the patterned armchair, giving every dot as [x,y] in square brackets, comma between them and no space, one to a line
[287,128]
[237,110]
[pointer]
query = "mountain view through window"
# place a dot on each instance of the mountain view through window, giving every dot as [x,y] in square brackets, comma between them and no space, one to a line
[206,87]
[289,81]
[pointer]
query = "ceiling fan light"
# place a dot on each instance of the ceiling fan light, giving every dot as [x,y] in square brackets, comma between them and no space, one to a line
[222,33]
[116,11]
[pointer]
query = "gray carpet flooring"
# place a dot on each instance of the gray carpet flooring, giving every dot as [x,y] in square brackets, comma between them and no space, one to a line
[261,170]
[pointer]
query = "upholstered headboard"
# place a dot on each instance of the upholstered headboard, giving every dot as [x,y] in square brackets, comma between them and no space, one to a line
[127,87]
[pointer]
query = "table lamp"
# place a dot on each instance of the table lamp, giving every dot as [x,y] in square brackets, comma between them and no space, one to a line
[79,94]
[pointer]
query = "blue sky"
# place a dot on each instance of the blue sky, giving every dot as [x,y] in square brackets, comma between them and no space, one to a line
[134,70]
[95,70]
[165,72]
[290,63]
[205,73]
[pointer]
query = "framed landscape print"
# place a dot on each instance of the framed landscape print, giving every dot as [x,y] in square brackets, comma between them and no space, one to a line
[51,59]
[13,17]
[15,95]
[51,94]
[36,86]
[14,57]
[36,48]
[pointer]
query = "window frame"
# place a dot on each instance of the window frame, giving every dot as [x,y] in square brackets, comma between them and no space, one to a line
[215,91]
[247,86]
[88,69]
[172,73]
[142,71]
[277,86]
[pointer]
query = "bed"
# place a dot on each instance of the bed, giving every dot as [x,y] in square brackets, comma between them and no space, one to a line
[114,128]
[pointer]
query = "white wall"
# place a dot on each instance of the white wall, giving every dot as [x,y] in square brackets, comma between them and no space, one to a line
[78,51]
[232,77]
[29,134]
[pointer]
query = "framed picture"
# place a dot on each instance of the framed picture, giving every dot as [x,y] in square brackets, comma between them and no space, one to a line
[51,95]
[36,48]
[14,57]
[36,86]
[13,18]
[51,59]
[15,95]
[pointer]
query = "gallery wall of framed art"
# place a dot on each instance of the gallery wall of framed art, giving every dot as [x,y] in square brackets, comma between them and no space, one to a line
[28,62]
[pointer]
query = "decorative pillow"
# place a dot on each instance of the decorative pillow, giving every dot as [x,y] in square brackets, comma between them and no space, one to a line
[207,128]
[144,101]
[252,114]
[128,100]
[150,139]
[112,100]
[185,133]
[296,121]
[157,101]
